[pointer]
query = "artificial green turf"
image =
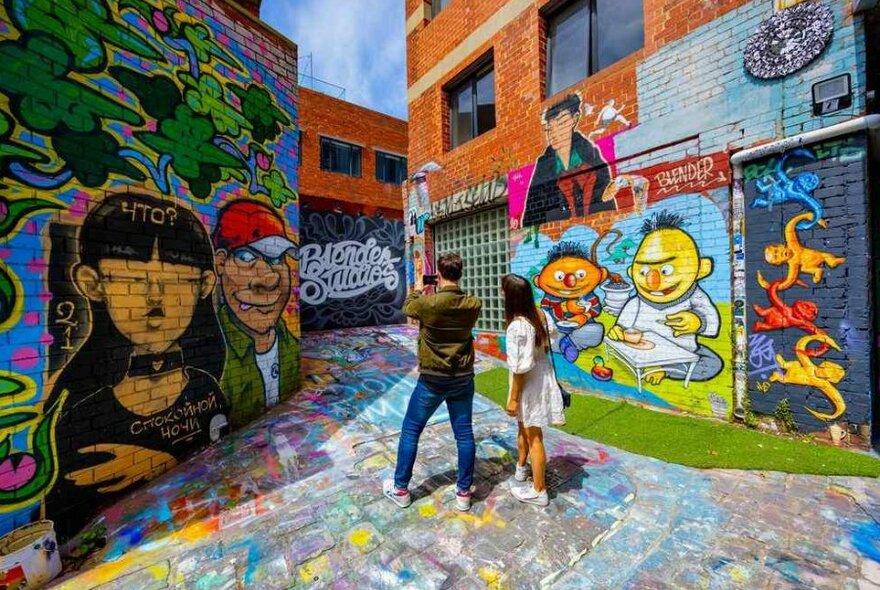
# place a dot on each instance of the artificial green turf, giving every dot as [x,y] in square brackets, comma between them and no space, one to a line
[686,440]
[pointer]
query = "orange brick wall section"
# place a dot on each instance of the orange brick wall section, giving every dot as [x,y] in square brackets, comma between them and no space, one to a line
[319,115]
[519,83]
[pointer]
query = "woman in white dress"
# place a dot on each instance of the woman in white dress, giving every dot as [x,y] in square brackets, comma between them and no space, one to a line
[534,398]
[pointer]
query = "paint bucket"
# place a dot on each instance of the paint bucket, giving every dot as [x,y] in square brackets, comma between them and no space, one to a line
[29,556]
[616,296]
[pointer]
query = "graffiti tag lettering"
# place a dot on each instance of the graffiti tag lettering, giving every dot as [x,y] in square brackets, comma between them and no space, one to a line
[474,197]
[762,356]
[698,173]
[178,421]
[144,213]
[417,222]
[345,269]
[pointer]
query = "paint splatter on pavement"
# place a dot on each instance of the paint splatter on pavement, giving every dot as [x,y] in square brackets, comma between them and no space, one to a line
[295,501]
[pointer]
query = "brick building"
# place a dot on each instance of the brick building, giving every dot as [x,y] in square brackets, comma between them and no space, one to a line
[609,152]
[352,163]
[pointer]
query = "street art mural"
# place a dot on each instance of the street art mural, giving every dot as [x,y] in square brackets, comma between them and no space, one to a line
[418,258]
[808,324]
[636,274]
[352,270]
[253,257]
[121,139]
[557,191]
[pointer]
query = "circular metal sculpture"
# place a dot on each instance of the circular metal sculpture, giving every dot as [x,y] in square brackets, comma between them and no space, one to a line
[789,40]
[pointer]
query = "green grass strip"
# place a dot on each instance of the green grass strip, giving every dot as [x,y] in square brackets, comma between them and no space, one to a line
[695,442]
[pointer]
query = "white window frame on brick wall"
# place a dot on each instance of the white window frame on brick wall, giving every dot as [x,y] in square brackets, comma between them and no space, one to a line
[594,13]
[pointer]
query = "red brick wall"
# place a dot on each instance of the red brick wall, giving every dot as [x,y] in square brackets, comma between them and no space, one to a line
[519,83]
[319,115]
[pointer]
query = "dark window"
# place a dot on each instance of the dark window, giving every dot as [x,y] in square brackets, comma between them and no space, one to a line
[339,156]
[437,6]
[472,106]
[587,35]
[390,168]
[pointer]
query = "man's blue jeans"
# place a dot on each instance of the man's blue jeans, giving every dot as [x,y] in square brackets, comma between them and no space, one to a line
[430,392]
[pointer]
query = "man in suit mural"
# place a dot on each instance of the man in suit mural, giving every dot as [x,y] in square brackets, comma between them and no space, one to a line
[571,176]
[262,356]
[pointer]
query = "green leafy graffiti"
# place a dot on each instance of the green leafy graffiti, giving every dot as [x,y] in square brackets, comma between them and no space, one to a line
[10,300]
[205,96]
[279,192]
[26,476]
[55,76]
[14,213]
[11,150]
[85,26]
[205,46]
[259,109]
[33,74]
[187,138]
[10,387]
[158,94]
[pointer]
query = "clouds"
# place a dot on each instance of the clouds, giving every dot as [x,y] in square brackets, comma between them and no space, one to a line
[357,44]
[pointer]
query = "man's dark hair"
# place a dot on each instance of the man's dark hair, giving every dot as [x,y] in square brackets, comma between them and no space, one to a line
[568,249]
[571,104]
[450,266]
[662,220]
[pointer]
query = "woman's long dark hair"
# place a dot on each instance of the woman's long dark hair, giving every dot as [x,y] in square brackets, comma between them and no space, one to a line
[121,228]
[519,300]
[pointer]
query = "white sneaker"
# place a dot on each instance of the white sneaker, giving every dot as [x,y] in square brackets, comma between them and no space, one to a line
[522,472]
[400,497]
[463,500]
[528,495]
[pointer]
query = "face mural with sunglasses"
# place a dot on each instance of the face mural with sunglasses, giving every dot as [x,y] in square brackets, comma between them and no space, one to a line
[253,258]
[142,389]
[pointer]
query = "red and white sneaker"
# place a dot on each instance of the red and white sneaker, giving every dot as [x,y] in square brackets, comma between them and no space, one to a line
[400,497]
[463,500]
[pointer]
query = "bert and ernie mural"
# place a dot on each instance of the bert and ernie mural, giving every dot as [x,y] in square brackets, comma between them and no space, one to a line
[631,263]
[148,269]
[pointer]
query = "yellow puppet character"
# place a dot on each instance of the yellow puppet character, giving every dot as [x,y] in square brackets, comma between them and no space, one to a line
[803,372]
[669,302]
[799,258]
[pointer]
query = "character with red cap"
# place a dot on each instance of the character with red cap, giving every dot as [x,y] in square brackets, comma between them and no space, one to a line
[262,356]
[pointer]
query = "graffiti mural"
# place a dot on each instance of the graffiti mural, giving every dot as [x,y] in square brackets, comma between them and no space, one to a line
[670,313]
[418,258]
[642,307]
[809,345]
[253,256]
[352,270]
[142,388]
[121,139]
[557,190]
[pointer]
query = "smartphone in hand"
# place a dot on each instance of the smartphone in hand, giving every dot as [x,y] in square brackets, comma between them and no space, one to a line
[429,280]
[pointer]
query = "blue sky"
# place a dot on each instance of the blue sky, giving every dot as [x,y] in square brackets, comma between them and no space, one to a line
[357,44]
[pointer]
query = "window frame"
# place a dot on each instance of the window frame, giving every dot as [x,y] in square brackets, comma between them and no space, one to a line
[324,139]
[437,6]
[392,156]
[555,10]
[470,78]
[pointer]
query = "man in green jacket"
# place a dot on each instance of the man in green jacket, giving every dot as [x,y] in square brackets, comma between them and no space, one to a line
[446,366]
[262,356]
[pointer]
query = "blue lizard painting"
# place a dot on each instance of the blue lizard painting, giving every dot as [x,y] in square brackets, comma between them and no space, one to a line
[780,189]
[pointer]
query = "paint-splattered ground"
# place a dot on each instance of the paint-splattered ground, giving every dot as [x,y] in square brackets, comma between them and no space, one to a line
[295,502]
